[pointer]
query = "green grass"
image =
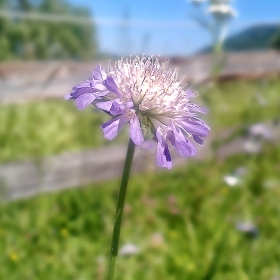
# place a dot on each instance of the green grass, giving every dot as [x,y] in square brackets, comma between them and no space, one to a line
[182,220]
[242,102]
[51,127]
[48,127]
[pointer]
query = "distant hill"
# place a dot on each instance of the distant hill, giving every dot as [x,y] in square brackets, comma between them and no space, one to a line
[258,37]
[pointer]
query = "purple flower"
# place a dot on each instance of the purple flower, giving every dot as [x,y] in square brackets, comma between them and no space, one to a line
[146,95]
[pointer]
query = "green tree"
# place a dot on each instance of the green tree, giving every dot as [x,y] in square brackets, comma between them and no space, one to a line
[275,42]
[41,39]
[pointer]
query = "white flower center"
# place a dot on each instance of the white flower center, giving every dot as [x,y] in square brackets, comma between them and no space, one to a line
[154,90]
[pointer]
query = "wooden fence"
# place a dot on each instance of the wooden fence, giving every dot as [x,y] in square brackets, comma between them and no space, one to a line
[27,81]
[27,178]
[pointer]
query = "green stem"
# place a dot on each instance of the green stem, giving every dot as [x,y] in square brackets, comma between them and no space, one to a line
[119,211]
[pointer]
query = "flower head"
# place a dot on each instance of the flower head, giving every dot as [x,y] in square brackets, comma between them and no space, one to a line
[222,10]
[149,97]
[129,249]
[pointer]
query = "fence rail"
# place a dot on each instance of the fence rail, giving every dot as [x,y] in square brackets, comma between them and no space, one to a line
[31,177]
[28,81]
[27,178]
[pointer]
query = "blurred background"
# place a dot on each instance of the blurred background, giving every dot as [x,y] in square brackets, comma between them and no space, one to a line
[215,216]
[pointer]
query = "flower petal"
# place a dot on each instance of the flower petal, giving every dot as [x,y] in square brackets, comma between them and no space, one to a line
[81,91]
[100,87]
[180,143]
[135,131]
[98,74]
[197,108]
[197,121]
[117,108]
[84,100]
[112,127]
[110,84]
[105,106]
[163,156]
[195,127]
[114,107]
[68,96]
[193,148]
[189,94]
[198,139]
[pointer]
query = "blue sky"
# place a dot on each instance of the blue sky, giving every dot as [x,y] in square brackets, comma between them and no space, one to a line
[165,26]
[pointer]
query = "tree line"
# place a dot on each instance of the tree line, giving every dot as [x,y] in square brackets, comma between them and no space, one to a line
[26,39]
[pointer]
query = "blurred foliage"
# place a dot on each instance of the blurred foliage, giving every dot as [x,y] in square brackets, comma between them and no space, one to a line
[241,103]
[48,127]
[234,104]
[183,222]
[275,42]
[259,37]
[214,15]
[39,39]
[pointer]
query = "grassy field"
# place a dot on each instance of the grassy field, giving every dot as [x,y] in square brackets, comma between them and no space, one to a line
[48,127]
[183,222]
[242,103]
[56,126]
